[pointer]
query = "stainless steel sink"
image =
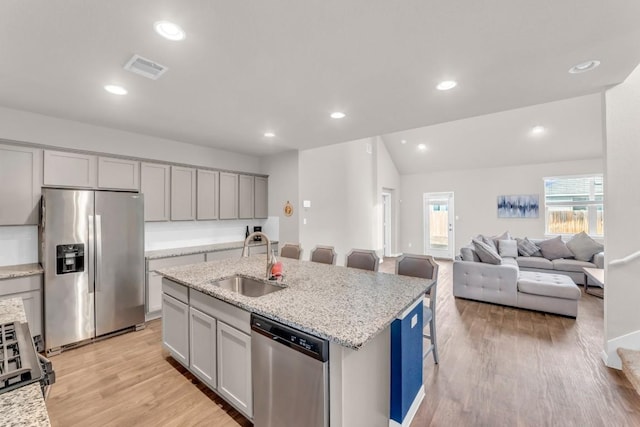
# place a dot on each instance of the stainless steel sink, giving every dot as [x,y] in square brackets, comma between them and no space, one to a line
[247,287]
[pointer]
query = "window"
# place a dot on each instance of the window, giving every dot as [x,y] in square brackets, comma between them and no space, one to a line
[574,204]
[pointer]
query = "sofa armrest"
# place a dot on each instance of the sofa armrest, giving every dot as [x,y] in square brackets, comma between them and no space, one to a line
[486,282]
[598,260]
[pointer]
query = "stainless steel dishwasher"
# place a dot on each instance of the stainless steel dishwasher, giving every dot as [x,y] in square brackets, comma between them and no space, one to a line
[290,372]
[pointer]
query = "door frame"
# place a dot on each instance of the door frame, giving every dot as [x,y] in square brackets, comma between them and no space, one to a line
[387,200]
[449,253]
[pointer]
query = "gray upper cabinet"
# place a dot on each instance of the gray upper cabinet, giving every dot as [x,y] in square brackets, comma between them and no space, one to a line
[118,174]
[228,195]
[245,197]
[20,182]
[261,209]
[155,185]
[62,169]
[208,194]
[183,193]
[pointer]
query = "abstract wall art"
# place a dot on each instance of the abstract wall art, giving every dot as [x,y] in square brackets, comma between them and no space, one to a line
[518,206]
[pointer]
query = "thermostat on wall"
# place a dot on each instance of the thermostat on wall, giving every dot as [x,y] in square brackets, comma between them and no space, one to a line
[306,203]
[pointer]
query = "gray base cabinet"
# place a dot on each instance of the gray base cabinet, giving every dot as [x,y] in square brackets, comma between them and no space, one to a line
[175,328]
[212,339]
[202,346]
[234,368]
[20,182]
[29,289]
[153,291]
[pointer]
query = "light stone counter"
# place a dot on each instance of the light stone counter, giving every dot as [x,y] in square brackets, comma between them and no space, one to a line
[344,305]
[190,250]
[24,406]
[22,270]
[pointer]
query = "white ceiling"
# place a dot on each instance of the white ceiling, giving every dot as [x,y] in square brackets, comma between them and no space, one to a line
[283,66]
[573,131]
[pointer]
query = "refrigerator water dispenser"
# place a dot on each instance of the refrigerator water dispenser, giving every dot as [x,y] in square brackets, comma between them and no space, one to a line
[70,258]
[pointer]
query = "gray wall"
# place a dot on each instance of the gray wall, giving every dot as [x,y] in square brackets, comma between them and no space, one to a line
[475,193]
[622,207]
[282,169]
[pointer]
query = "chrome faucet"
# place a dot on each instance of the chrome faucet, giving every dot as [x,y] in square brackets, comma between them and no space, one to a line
[245,249]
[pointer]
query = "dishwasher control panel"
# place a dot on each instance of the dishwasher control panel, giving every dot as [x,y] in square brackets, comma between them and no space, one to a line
[301,341]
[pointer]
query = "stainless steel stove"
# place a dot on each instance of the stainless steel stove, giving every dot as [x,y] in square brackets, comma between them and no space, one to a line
[20,364]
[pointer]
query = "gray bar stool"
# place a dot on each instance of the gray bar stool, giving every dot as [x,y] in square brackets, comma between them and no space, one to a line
[291,250]
[324,255]
[363,259]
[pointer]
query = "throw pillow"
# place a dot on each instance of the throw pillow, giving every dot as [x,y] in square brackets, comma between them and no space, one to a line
[508,248]
[527,248]
[486,253]
[504,236]
[469,254]
[487,241]
[554,249]
[584,247]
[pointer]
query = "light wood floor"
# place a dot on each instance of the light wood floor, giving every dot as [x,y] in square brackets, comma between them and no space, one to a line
[499,366]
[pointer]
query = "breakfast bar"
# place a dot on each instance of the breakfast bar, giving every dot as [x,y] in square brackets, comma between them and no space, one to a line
[351,309]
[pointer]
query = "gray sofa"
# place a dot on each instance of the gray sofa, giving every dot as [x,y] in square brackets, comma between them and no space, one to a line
[568,267]
[531,282]
[505,284]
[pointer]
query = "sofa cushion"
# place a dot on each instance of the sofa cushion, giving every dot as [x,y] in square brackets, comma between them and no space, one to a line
[508,248]
[571,265]
[534,262]
[510,261]
[486,252]
[469,254]
[584,247]
[550,285]
[554,248]
[487,241]
[527,248]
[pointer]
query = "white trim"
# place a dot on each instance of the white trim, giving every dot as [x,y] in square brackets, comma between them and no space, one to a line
[411,413]
[584,175]
[610,356]
[408,310]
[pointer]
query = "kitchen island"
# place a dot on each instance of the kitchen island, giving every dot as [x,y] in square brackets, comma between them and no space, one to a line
[352,309]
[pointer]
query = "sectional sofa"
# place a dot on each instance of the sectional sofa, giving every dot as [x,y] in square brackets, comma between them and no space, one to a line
[524,279]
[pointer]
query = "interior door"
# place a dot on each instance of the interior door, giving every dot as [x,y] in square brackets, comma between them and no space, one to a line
[119,278]
[438,225]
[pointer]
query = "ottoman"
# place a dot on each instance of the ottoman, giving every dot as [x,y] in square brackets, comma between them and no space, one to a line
[551,293]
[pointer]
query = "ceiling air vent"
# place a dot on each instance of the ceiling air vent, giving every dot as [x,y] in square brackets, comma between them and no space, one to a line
[145,67]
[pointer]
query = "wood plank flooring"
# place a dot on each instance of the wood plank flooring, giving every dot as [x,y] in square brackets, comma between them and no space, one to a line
[499,366]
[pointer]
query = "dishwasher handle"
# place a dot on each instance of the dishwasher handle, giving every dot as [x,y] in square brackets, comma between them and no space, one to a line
[297,340]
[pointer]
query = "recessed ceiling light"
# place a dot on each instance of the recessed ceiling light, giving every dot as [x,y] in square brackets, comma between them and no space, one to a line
[538,130]
[269,134]
[446,85]
[404,141]
[169,30]
[422,147]
[584,66]
[115,89]
[338,115]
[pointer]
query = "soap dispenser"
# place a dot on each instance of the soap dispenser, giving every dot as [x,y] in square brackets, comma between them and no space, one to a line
[276,266]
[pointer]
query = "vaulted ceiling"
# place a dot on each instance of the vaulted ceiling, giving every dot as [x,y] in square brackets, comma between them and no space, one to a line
[246,68]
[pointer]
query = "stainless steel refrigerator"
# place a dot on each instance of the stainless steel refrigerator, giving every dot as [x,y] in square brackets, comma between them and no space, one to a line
[92,252]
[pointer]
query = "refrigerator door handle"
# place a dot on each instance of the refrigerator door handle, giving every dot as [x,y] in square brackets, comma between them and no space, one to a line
[98,251]
[89,255]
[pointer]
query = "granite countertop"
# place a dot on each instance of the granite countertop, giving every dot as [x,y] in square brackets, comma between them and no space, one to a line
[190,250]
[22,270]
[24,406]
[344,305]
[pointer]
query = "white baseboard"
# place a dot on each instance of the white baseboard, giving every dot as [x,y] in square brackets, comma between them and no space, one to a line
[610,356]
[412,410]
